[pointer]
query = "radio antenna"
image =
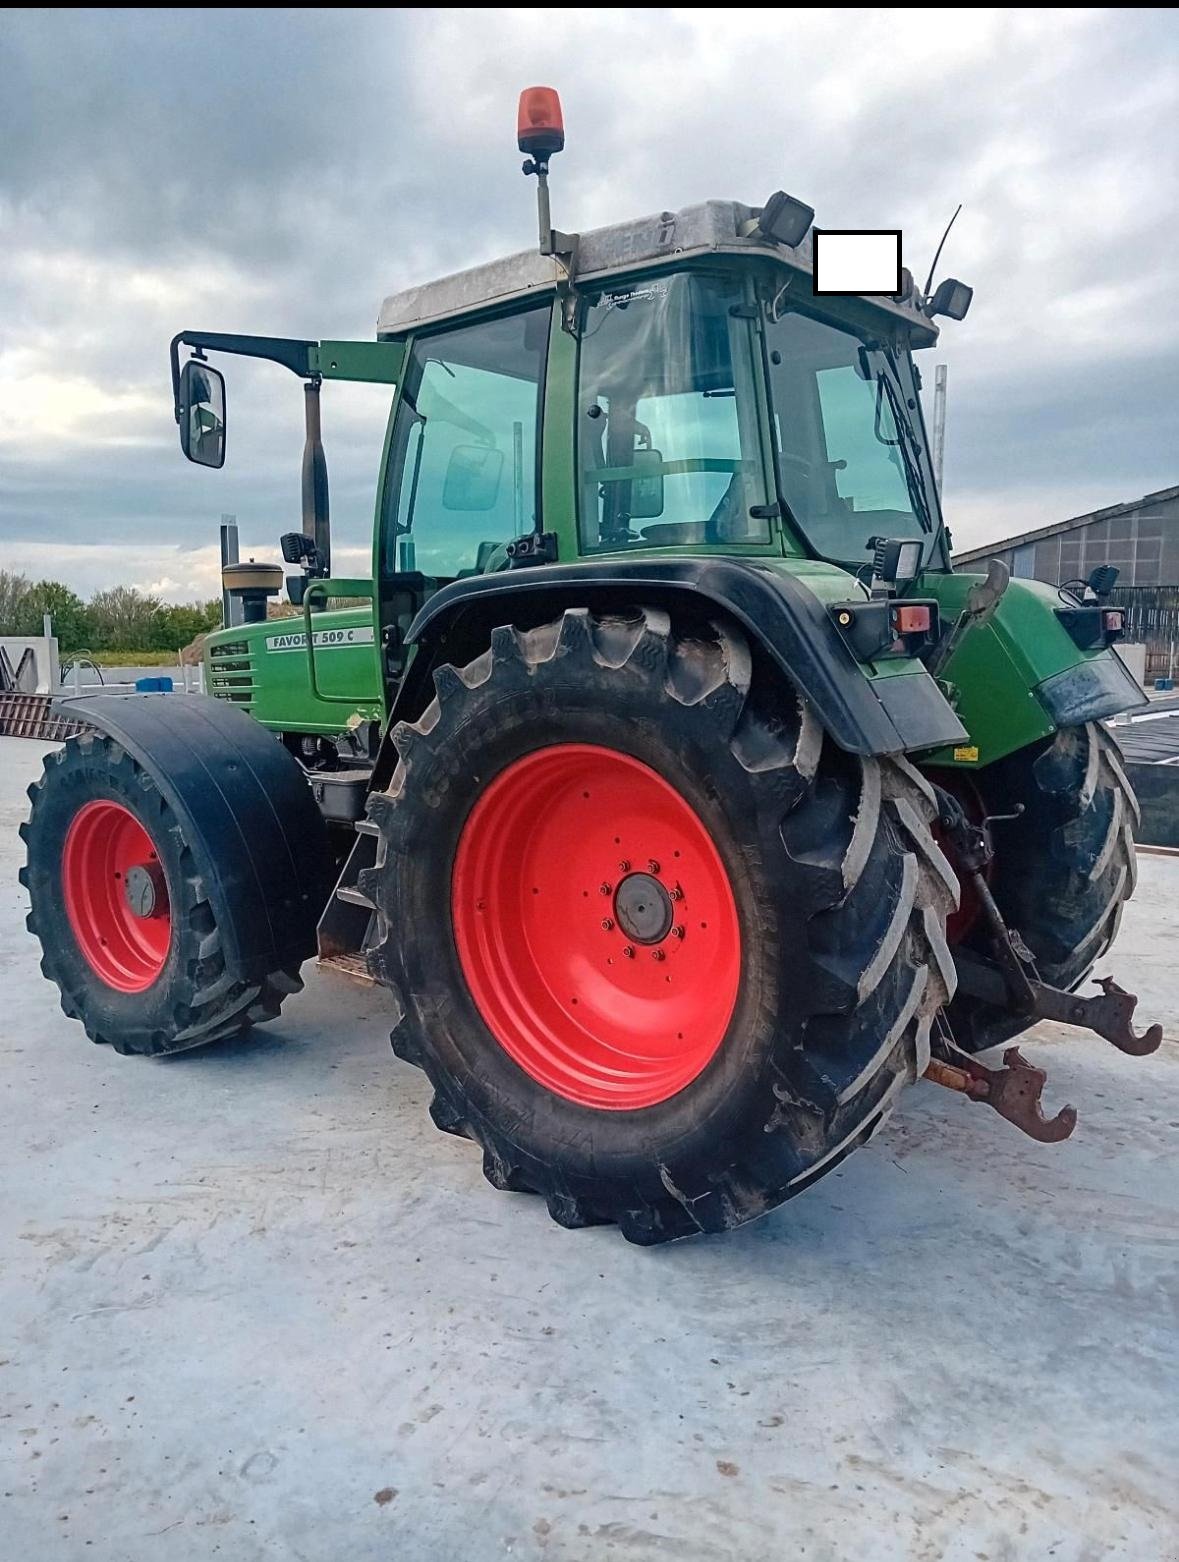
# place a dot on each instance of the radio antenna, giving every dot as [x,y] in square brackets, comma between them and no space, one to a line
[941,246]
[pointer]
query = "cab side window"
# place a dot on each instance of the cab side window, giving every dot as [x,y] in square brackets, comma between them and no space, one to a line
[669,447]
[462,473]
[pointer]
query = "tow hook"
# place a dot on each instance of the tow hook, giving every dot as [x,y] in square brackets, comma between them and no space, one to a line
[1109,1015]
[1014,1091]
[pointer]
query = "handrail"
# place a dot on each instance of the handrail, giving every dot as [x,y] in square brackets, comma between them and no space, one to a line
[326,589]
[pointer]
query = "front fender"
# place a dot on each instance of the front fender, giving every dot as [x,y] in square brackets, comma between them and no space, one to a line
[769,600]
[248,815]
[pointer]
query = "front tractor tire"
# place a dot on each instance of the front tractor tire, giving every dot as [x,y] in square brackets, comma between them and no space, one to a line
[127,927]
[665,952]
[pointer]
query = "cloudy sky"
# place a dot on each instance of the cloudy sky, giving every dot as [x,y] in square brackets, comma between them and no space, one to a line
[278,171]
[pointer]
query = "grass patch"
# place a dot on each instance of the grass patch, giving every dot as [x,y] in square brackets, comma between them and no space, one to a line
[128,658]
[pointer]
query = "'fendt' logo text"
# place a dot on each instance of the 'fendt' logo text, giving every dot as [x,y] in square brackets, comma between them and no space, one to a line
[324,639]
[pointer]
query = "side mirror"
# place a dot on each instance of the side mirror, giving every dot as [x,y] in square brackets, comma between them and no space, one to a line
[646,486]
[472,478]
[202,413]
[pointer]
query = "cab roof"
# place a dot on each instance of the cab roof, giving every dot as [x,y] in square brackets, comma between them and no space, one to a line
[643,244]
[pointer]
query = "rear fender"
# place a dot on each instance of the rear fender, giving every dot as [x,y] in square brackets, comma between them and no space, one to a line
[864,715]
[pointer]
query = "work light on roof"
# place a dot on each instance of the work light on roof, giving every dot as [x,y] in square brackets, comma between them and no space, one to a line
[785,220]
[952,299]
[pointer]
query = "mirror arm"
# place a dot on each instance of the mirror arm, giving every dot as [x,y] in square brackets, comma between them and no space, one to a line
[298,356]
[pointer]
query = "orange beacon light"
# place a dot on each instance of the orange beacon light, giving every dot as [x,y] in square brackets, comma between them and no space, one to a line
[540,125]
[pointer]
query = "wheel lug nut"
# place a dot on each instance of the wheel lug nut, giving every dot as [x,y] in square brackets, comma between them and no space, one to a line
[676,892]
[624,866]
[628,952]
[607,924]
[652,865]
[657,954]
[678,931]
[605,889]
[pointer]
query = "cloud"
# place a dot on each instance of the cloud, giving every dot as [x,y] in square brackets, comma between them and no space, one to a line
[279,171]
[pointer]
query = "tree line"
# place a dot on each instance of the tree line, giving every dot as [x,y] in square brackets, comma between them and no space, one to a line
[121,619]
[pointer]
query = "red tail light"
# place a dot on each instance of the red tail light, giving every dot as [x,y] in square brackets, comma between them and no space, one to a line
[910,620]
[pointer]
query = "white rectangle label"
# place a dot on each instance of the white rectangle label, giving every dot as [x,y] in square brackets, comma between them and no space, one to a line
[847,261]
[324,639]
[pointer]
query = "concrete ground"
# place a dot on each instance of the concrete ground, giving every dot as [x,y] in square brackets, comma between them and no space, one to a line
[253,1305]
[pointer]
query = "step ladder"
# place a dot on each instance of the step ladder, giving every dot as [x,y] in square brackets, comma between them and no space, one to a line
[347,928]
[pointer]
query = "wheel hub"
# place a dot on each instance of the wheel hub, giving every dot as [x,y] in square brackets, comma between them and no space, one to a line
[643,908]
[145,891]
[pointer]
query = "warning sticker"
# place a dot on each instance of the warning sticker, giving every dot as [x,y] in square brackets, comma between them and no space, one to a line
[968,756]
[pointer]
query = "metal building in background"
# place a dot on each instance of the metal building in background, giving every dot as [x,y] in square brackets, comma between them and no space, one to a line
[1140,538]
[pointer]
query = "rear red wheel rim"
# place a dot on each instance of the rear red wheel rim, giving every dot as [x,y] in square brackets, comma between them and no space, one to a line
[596,926]
[124,947]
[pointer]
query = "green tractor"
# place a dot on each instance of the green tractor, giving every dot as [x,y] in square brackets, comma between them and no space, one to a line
[687,800]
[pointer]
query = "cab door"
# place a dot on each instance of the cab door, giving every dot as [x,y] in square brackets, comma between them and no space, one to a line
[462,469]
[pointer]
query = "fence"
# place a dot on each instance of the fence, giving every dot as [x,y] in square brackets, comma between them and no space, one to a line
[32,716]
[1152,619]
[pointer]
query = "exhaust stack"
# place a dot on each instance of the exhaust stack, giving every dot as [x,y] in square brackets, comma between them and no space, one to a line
[316,509]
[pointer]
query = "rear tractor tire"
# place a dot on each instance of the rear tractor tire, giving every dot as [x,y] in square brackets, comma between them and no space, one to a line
[127,927]
[665,952]
[1063,870]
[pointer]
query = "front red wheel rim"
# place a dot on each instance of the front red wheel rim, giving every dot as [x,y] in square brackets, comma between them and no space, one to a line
[596,926]
[116,896]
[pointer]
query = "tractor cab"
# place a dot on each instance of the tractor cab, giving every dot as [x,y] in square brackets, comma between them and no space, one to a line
[667,387]
[690,393]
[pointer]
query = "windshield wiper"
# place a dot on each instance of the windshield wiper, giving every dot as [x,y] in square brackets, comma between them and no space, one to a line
[909,447]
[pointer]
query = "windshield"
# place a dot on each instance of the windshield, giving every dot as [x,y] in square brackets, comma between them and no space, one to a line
[849,436]
[669,450]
